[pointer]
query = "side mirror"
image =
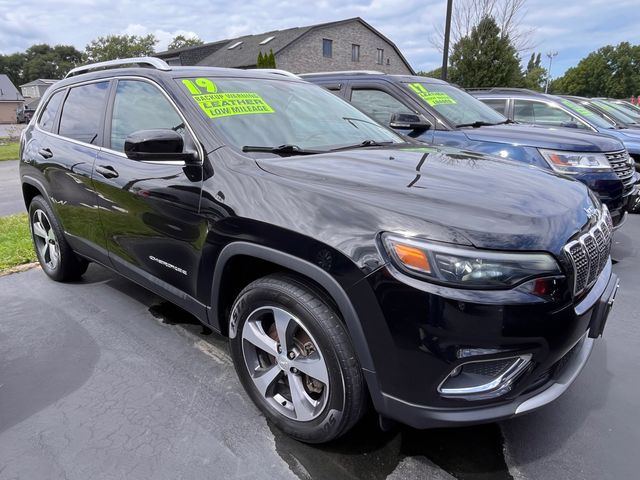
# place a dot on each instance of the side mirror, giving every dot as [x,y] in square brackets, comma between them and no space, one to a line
[409,121]
[570,124]
[160,145]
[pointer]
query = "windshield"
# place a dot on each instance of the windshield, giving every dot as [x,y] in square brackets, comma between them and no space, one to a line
[455,105]
[587,115]
[272,113]
[618,111]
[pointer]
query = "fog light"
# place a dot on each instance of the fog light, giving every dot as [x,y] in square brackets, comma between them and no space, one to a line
[482,379]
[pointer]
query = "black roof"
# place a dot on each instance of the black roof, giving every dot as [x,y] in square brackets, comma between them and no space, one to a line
[373,75]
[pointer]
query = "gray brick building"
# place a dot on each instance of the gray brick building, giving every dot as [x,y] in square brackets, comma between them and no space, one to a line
[350,44]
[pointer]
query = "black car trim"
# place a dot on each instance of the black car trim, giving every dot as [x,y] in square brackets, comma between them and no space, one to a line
[304,268]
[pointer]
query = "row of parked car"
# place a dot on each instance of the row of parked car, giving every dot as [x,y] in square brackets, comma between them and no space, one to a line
[596,141]
[421,253]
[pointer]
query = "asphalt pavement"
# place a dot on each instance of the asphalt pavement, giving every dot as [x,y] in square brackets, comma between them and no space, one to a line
[102,379]
[10,191]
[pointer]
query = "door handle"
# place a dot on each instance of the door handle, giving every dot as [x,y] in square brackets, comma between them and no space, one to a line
[45,153]
[107,171]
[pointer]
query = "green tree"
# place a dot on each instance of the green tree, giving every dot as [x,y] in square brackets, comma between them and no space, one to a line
[535,74]
[435,73]
[40,61]
[180,41]
[12,65]
[611,71]
[485,58]
[119,46]
[267,60]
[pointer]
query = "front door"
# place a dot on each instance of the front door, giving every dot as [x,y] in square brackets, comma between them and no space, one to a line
[149,210]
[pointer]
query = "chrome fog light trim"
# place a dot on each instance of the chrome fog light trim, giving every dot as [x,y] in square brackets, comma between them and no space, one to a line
[496,386]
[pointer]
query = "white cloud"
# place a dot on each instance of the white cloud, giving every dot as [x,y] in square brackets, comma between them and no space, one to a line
[573,29]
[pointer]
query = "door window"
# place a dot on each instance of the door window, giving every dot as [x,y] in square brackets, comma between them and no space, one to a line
[497,104]
[82,112]
[48,117]
[540,113]
[141,106]
[377,104]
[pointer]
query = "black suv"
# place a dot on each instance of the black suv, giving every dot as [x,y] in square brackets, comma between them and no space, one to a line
[343,262]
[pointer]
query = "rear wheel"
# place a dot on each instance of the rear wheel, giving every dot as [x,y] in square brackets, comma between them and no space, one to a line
[295,360]
[54,254]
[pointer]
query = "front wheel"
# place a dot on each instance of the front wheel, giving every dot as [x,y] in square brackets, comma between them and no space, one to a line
[295,360]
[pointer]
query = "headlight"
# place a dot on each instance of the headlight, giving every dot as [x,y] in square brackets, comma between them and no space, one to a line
[466,267]
[574,162]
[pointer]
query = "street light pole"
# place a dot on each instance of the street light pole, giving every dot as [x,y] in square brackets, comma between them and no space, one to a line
[447,34]
[550,56]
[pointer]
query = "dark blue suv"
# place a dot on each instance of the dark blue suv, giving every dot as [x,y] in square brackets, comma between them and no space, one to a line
[436,112]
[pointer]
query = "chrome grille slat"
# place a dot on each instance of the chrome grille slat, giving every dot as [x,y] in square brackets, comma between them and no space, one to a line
[621,164]
[589,254]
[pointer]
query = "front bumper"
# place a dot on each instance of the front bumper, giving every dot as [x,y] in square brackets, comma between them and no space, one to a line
[557,363]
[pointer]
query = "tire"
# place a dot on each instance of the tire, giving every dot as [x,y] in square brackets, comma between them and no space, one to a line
[56,258]
[310,409]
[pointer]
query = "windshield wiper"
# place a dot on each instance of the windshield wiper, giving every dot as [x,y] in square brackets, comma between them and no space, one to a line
[506,122]
[284,150]
[476,124]
[365,143]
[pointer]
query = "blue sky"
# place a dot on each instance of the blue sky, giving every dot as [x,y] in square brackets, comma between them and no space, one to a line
[572,28]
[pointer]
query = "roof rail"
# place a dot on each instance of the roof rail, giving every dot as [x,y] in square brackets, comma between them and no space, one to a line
[153,62]
[350,72]
[501,89]
[276,71]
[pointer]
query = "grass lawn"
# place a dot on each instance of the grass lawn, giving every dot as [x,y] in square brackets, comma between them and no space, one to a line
[15,241]
[9,151]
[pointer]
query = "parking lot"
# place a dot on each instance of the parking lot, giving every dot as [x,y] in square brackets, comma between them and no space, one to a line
[102,379]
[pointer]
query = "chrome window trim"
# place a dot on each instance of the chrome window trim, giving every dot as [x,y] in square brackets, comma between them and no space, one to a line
[115,152]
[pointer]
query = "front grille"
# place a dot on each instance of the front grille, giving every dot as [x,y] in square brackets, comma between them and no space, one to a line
[624,167]
[488,368]
[589,253]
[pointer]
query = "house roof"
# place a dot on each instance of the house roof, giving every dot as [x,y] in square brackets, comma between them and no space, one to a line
[245,54]
[8,92]
[39,81]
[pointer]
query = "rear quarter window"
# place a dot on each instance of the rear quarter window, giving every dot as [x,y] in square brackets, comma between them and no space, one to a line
[50,111]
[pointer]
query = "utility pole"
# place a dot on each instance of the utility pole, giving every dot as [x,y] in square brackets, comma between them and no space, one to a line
[550,56]
[447,34]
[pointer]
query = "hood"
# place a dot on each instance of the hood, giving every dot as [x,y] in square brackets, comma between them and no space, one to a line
[543,137]
[493,203]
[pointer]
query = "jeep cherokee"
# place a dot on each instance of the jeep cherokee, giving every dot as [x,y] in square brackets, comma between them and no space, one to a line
[343,262]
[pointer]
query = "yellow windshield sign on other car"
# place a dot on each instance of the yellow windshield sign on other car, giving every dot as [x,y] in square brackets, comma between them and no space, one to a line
[432,98]
[217,104]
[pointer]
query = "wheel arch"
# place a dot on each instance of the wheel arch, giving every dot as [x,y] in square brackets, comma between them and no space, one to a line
[286,262]
[31,188]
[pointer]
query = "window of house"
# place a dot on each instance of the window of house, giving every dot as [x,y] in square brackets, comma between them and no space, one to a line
[236,44]
[82,112]
[267,40]
[355,53]
[380,56]
[327,48]
[141,106]
[377,104]
[48,117]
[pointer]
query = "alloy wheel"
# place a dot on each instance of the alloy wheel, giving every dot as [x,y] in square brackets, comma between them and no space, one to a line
[285,363]
[45,239]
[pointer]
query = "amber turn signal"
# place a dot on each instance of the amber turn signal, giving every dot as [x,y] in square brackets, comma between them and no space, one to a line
[412,257]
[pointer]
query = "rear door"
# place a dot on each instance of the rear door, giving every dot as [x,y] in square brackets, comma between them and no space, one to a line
[69,133]
[149,209]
